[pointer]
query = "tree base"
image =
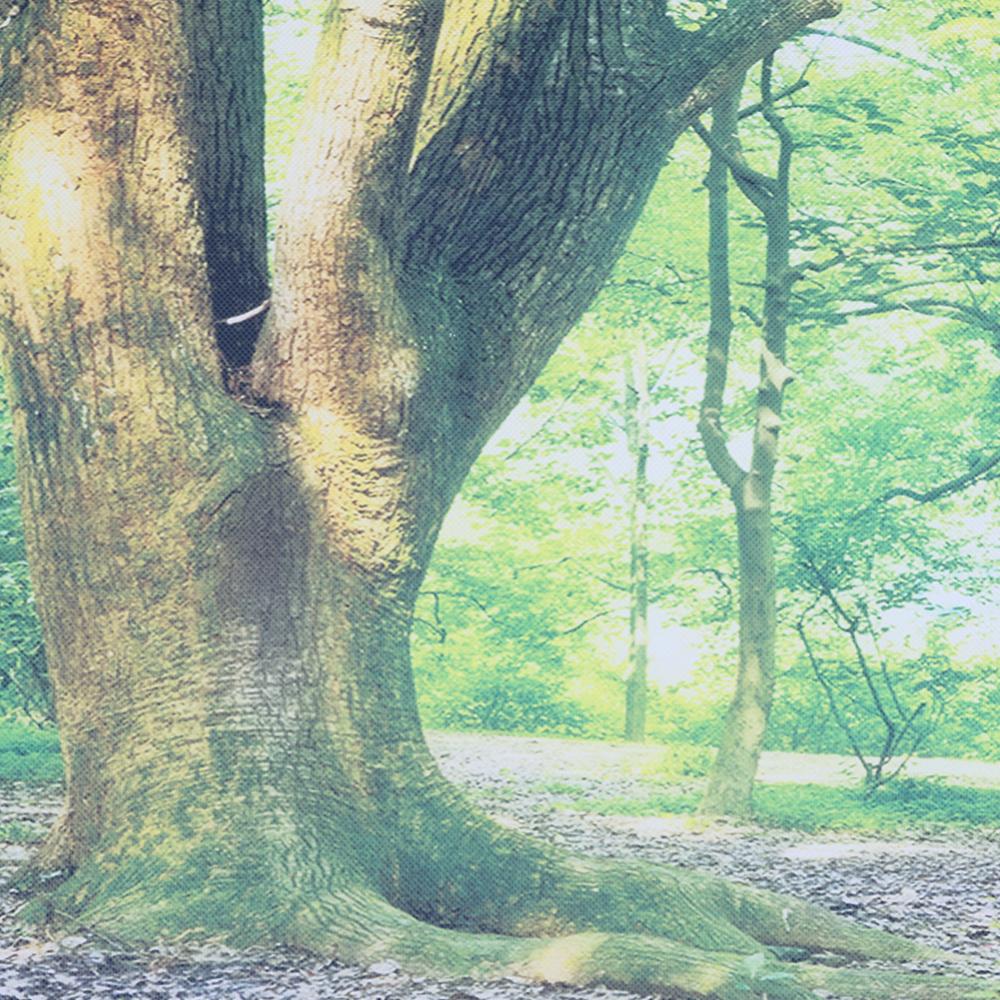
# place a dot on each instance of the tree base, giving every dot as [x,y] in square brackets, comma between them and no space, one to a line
[585,922]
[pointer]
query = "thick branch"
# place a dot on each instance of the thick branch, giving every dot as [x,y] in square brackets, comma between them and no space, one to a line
[713,437]
[744,35]
[531,179]
[340,231]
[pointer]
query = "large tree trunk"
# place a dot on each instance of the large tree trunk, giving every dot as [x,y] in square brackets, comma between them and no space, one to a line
[226,585]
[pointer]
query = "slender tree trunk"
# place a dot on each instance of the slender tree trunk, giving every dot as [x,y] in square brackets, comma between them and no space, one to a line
[637,432]
[730,783]
[226,587]
[731,779]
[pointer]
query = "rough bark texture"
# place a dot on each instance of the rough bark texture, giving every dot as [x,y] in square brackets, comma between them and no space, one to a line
[226,590]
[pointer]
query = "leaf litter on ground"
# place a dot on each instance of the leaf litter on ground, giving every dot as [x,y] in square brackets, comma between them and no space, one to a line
[941,888]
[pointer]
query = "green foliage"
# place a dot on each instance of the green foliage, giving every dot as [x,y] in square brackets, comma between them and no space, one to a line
[518,701]
[28,753]
[24,683]
[684,760]
[895,348]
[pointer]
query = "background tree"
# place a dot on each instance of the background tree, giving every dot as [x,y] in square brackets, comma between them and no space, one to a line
[731,780]
[636,382]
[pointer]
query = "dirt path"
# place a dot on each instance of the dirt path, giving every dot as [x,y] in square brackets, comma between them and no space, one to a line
[943,890]
[545,758]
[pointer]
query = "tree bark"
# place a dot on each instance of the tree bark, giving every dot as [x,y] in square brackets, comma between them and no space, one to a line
[637,432]
[226,587]
[731,779]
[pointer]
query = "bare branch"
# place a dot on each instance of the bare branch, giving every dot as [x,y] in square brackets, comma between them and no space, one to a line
[757,187]
[583,623]
[552,416]
[985,242]
[471,599]
[930,306]
[882,50]
[753,109]
[831,698]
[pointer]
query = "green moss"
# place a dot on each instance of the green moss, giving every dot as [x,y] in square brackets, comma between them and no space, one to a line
[21,833]
[240,894]
[901,805]
[234,759]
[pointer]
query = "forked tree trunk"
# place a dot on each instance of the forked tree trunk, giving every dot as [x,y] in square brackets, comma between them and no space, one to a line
[731,779]
[226,586]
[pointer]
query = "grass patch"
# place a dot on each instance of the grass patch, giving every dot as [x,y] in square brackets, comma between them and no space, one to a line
[21,833]
[682,760]
[668,801]
[558,788]
[28,753]
[903,805]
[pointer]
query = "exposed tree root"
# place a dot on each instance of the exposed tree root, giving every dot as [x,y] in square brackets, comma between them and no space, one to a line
[693,937]
[446,892]
[361,927]
[476,874]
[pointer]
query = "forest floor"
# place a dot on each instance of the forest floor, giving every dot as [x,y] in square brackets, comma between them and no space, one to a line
[940,884]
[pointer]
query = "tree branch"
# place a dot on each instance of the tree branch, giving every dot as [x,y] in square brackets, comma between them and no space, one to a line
[341,229]
[831,699]
[752,109]
[929,306]
[748,32]
[946,488]
[985,242]
[474,601]
[882,50]
[513,176]
[756,187]
[724,145]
